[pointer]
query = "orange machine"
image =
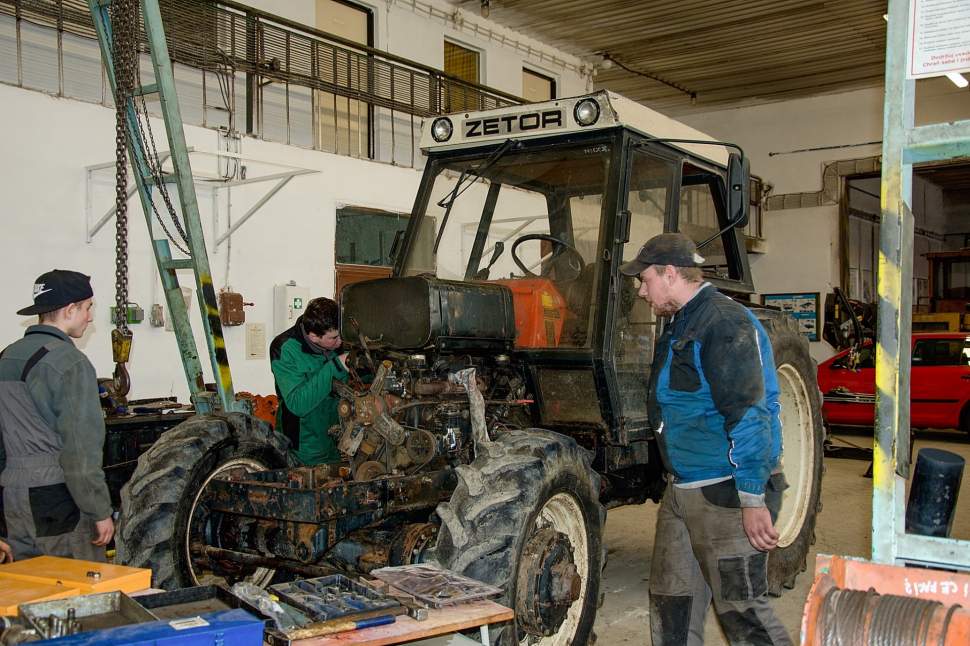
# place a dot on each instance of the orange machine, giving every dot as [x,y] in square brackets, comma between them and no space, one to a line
[540,311]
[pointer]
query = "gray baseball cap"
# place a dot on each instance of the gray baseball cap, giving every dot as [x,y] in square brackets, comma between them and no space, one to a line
[665,249]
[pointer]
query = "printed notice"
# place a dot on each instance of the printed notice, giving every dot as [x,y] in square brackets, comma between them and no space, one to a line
[940,38]
[255,340]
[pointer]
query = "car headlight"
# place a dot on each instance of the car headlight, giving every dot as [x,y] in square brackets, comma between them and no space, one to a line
[587,112]
[441,129]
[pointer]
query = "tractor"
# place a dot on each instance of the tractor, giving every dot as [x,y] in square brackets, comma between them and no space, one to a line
[497,399]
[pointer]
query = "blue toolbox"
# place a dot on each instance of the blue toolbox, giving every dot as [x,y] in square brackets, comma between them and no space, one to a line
[236,627]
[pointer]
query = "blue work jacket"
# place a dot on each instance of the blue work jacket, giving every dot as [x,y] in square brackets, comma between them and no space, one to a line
[714,392]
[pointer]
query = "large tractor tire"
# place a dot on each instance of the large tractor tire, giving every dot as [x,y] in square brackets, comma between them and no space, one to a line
[526,517]
[802,437]
[161,506]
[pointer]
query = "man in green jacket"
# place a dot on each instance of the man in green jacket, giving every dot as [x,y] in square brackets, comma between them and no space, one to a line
[55,498]
[304,360]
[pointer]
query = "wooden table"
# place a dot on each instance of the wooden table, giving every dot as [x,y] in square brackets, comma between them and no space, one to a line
[439,622]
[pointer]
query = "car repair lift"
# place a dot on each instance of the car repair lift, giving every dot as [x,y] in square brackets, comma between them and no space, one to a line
[916,589]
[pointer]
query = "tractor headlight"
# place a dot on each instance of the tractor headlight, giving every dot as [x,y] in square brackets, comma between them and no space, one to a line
[587,112]
[441,129]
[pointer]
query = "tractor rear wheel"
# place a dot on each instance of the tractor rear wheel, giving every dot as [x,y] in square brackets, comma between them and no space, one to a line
[526,517]
[802,437]
[162,507]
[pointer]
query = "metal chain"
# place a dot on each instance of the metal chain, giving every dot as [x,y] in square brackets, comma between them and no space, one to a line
[124,15]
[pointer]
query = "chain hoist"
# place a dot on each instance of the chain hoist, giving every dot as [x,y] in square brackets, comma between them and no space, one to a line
[124,26]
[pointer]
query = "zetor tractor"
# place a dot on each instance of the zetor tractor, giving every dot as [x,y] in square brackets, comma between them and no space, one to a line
[508,364]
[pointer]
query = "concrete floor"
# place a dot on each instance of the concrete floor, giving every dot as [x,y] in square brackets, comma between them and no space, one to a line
[844,528]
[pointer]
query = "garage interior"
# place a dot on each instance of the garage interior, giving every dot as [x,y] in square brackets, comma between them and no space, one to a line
[308,125]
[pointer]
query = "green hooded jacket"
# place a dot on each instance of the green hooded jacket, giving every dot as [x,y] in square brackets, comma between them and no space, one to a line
[308,405]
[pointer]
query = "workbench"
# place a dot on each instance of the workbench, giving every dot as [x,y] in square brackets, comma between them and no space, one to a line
[439,622]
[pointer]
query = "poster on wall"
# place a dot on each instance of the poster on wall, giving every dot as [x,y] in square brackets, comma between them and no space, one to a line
[939,39]
[802,307]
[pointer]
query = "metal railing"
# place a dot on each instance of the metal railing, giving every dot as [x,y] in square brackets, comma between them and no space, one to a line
[241,69]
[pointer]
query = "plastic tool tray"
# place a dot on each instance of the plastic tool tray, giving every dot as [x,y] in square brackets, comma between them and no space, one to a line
[333,597]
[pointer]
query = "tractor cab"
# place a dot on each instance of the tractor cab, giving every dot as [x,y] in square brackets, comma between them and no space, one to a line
[548,200]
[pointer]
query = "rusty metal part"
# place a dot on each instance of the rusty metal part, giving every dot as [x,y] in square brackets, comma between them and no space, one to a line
[363,342]
[317,518]
[411,543]
[345,409]
[370,409]
[429,388]
[548,583]
[302,536]
[476,403]
[217,554]
[351,439]
[422,445]
[369,470]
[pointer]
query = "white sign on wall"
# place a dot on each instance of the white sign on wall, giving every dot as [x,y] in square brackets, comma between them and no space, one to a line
[939,38]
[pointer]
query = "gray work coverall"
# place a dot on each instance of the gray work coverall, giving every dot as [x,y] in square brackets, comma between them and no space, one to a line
[51,452]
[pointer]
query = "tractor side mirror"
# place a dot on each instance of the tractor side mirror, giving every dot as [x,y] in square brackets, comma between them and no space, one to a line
[739,190]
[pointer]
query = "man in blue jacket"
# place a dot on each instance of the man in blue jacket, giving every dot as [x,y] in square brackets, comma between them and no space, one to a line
[713,406]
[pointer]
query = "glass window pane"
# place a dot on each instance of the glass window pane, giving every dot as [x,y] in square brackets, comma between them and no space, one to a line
[651,181]
[39,51]
[82,67]
[8,50]
[365,236]
[188,86]
[218,99]
[700,217]
[301,116]
[461,62]
[536,87]
[274,112]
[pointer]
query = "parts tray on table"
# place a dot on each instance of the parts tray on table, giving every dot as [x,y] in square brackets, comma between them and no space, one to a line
[333,597]
[189,602]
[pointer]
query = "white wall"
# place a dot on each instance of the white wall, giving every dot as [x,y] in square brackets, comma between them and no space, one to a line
[46,142]
[43,152]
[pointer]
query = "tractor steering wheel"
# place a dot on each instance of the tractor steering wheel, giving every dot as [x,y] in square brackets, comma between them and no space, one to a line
[564,257]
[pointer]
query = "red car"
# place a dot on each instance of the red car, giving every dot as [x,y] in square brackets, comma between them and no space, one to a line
[939,384]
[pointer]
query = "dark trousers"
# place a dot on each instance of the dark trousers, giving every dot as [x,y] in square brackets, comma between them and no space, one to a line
[702,554]
[41,522]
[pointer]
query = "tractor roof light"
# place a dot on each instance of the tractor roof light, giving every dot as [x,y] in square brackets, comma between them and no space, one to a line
[441,129]
[587,112]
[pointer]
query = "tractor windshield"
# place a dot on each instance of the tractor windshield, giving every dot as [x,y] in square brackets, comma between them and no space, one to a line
[528,219]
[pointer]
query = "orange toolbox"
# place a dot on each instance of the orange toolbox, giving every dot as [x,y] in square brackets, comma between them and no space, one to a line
[14,592]
[85,576]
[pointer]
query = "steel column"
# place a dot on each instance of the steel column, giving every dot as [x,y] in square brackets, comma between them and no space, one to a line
[902,146]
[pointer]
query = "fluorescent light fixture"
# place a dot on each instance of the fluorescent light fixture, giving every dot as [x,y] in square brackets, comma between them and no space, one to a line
[958,79]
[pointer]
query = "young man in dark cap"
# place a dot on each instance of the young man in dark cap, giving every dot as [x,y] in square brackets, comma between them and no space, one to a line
[713,405]
[55,499]
[304,360]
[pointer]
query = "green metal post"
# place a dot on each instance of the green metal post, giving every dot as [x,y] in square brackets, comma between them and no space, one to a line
[198,260]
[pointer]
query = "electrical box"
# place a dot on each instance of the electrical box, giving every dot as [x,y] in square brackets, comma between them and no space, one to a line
[289,302]
[231,308]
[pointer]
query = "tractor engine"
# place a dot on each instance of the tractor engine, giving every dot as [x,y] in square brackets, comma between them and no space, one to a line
[442,379]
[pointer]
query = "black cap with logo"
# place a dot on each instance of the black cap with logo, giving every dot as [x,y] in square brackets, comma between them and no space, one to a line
[665,249]
[57,289]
